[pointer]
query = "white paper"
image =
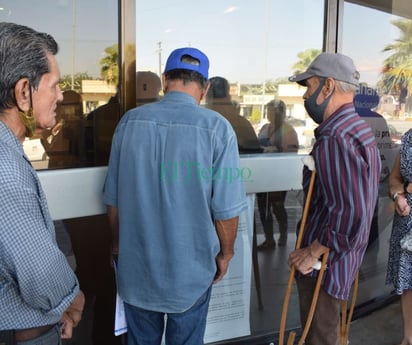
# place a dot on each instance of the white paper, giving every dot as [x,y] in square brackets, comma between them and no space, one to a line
[120,325]
[228,315]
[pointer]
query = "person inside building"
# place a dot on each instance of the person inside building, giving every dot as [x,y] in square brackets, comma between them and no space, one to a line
[275,136]
[218,98]
[148,87]
[367,99]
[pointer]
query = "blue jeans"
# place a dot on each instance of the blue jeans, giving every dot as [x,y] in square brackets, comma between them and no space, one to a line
[146,327]
[52,337]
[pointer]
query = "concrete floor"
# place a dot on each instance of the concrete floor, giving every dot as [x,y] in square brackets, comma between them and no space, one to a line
[381,327]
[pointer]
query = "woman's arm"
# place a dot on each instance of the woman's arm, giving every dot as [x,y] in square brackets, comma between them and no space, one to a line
[396,188]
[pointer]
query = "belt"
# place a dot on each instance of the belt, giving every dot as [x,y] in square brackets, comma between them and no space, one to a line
[31,333]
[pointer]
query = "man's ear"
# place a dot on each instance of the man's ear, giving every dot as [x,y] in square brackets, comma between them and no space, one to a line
[22,94]
[329,86]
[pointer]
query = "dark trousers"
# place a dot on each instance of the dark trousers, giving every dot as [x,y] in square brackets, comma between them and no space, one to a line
[324,329]
[272,202]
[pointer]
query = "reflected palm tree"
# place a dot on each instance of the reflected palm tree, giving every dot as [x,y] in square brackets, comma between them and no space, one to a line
[110,64]
[305,59]
[397,68]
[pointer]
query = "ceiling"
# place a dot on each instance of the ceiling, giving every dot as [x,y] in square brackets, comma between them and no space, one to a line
[401,8]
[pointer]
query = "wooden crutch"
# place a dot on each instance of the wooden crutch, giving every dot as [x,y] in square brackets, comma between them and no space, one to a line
[346,319]
[312,309]
[310,164]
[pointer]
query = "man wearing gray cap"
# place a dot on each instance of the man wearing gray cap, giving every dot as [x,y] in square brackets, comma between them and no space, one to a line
[173,205]
[347,165]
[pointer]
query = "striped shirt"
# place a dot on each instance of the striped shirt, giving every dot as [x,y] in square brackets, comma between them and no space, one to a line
[36,282]
[348,168]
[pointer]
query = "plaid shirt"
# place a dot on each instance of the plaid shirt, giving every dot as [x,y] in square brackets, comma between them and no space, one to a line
[36,282]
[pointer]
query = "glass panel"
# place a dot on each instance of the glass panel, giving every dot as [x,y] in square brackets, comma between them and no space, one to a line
[385,103]
[85,242]
[247,46]
[253,47]
[87,34]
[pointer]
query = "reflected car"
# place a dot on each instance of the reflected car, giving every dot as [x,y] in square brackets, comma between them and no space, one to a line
[387,106]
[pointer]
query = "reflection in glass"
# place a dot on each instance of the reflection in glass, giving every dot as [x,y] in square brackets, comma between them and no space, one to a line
[55,131]
[219,99]
[380,59]
[254,47]
[87,34]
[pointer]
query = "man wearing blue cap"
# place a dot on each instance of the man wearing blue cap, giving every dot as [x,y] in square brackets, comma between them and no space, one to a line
[347,164]
[173,201]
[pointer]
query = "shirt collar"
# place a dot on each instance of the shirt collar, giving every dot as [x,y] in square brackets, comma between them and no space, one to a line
[9,138]
[341,111]
[179,96]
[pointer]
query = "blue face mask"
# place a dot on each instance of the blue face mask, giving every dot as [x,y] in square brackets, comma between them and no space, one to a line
[316,111]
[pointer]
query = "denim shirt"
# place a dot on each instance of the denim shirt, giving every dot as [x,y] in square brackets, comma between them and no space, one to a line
[173,171]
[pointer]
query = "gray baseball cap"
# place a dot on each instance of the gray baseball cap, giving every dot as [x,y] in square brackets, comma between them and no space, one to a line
[330,65]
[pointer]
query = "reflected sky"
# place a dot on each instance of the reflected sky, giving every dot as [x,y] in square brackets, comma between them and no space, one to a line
[94,23]
[246,41]
[365,33]
[253,41]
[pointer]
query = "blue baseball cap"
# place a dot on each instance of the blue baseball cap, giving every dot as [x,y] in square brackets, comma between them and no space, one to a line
[176,60]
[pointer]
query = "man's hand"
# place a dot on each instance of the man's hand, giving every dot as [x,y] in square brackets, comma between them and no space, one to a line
[305,259]
[72,316]
[222,264]
[302,260]
[226,232]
